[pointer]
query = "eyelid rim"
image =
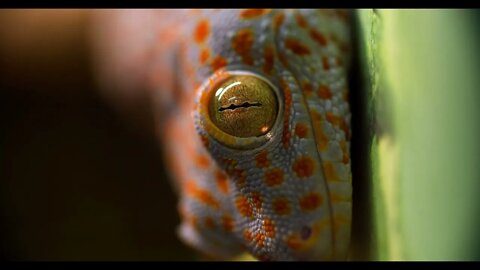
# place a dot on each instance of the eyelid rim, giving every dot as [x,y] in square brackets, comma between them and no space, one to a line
[207,89]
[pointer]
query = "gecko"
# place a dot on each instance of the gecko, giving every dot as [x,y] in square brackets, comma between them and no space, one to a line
[251,107]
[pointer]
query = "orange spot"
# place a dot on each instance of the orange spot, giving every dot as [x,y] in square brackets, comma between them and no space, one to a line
[242,44]
[227,223]
[307,88]
[324,92]
[201,31]
[303,167]
[243,206]
[281,206]
[247,235]
[274,177]
[260,239]
[345,159]
[202,161]
[257,200]
[296,47]
[252,13]
[283,59]
[301,130]
[339,122]
[320,137]
[222,181]
[318,37]
[278,20]
[218,62]
[261,159]
[301,20]
[329,171]
[200,194]
[192,221]
[288,105]
[268,57]
[311,201]
[204,54]
[269,227]
[209,222]
[325,63]
[190,187]
[207,198]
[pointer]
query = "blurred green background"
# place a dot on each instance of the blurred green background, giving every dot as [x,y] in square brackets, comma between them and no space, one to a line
[422,91]
[79,183]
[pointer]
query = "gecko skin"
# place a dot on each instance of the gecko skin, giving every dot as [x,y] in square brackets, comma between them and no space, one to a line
[282,191]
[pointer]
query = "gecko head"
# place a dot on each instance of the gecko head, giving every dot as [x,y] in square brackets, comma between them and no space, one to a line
[242,115]
[264,115]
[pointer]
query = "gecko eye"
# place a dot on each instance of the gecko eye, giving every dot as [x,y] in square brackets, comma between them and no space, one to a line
[239,109]
[243,106]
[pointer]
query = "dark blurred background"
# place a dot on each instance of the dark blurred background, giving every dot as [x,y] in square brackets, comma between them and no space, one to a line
[76,181]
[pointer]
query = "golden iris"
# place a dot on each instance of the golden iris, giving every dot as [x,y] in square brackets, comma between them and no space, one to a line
[244,106]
